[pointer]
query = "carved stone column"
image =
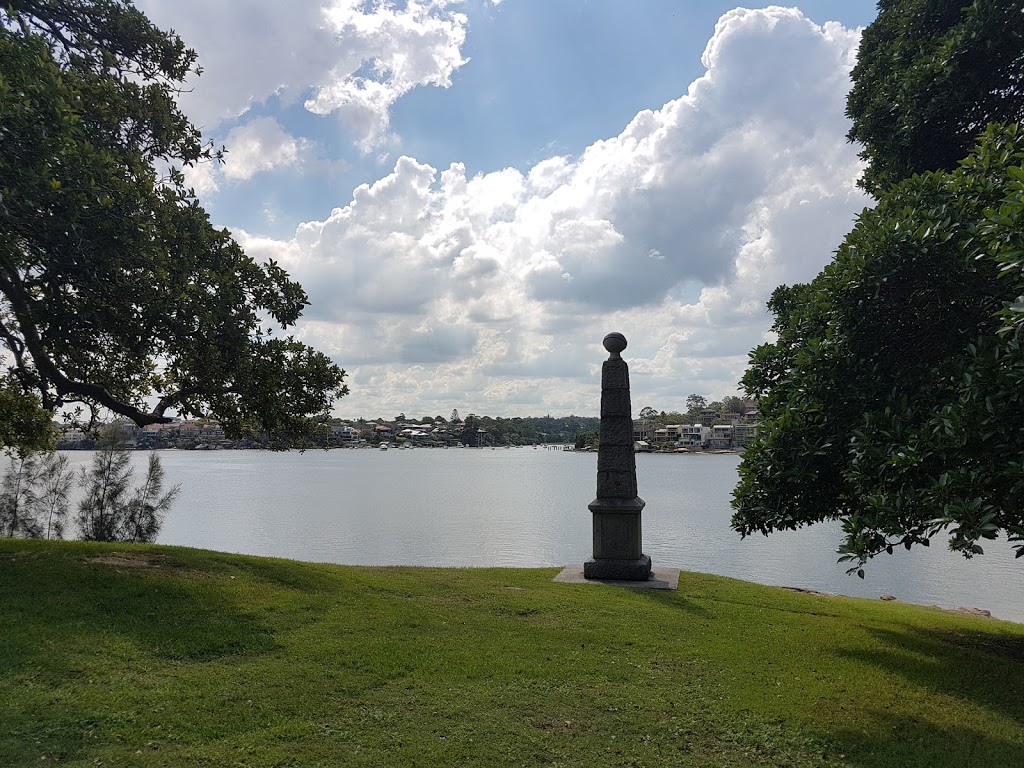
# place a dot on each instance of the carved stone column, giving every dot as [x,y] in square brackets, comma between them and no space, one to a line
[616,510]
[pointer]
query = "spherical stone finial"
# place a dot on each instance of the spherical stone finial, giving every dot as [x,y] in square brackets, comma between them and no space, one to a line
[614,342]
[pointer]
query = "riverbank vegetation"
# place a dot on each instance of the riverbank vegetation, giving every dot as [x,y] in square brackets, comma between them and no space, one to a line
[35,495]
[156,656]
[891,399]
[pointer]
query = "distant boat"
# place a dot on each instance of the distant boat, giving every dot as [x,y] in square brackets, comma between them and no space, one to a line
[383,446]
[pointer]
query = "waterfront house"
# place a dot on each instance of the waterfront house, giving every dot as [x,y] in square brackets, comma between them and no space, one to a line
[743,435]
[693,435]
[721,437]
[343,433]
[708,417]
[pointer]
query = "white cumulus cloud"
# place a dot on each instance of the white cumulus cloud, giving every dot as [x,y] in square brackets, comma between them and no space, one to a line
[388,52]
[262,145]
[351,58]
[492,292]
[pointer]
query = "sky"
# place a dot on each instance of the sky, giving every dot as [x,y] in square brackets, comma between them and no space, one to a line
[474,193]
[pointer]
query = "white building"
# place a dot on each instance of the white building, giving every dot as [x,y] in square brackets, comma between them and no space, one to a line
[343,433]
[693,435]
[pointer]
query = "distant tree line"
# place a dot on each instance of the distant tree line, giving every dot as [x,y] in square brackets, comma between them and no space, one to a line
[497,430]
[695,406]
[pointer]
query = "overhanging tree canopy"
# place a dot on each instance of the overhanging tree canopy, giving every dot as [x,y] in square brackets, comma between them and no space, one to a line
[893,399]
[930,76]
[116,292]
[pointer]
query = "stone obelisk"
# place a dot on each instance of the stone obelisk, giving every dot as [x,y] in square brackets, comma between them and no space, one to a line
[616,510]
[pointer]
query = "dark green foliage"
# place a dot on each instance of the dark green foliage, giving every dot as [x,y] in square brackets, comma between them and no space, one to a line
[588,439]
[111,509]
[53,484]
[34,496]
[115,290]
[930,76]
[521,430]
[892,398]
[18,499]
[696,403]
[23,420]
[734,404]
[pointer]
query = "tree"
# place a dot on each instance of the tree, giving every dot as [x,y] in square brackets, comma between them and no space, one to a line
[18,498]
[892,398]
[455,416]
[587,439]
[733,404]
[146,510]
[34,495]
[111,509]
[647,414]
[696,403]
[116,292]
[24,423]
[930,76]
[54,488]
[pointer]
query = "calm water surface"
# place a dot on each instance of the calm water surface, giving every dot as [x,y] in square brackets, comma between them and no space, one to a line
[522,507]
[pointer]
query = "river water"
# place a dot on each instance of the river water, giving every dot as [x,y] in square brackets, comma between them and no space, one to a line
[525,507]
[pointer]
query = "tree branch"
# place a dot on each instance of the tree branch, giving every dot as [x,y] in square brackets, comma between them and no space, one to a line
[10,284]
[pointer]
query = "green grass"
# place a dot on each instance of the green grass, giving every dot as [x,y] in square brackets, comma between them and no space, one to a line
[154,656]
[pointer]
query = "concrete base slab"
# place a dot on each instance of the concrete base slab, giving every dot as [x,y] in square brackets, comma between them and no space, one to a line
[661,578]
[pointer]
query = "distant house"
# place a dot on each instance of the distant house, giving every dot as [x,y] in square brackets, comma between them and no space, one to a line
[721,436]
[127,427]
[693,435]
[708,417]
[416,435]
[743,435]
[641,432]
[70,436]
[343,433]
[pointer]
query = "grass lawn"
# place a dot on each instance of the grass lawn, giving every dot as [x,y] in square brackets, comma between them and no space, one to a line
[153,656]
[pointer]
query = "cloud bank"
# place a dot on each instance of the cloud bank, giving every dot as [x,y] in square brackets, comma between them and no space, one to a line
[491,293]
[349,58]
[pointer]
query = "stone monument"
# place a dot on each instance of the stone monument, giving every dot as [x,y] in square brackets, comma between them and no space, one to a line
[616,510]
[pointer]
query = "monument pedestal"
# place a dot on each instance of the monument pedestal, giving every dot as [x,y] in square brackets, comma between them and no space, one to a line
[617,541]
[618,570]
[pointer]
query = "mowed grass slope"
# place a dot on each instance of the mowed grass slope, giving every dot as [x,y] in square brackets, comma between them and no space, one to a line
[154,656]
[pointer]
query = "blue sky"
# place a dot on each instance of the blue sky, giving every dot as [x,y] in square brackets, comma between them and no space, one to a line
[474,193]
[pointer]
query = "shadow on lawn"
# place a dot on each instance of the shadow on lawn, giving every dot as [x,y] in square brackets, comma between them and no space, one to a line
[87,614]
[913,743]
[981,667]
[675,601]
[70,606]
